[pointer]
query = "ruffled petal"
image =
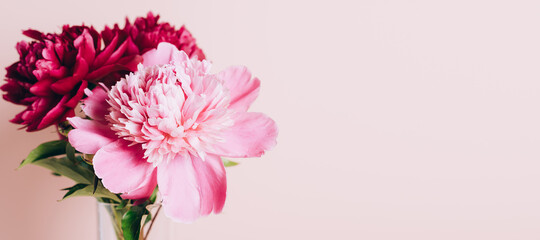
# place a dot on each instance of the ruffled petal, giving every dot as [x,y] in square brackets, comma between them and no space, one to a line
[250,136]
[89,136]
[95,105]
[163,54]
[243,89]
[121,167]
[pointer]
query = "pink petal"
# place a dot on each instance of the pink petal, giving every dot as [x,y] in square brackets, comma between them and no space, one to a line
[95,105]
[164,54]
[191,187]
[146,189]
[178,186]
[243,89]
[251,135]
[122,168]
[89,136]
[212,183]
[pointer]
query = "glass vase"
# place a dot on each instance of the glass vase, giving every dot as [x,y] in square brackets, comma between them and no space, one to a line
[158,226]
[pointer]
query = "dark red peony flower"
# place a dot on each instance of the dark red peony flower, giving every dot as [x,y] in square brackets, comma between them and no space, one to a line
[54,69]
[147,33]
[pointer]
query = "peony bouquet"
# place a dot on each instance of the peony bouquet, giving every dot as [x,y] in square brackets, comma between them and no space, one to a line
[141,118]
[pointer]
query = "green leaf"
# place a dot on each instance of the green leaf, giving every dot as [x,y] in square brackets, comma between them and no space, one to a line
[82,189]
[228,163]
[70,152]
[153,197]
[73,189]
[131,222]
[71,169]
[96,180]
[122,204]
[45,150]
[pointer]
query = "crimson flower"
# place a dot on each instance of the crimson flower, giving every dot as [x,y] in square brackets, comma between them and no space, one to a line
[147,32]
[54,69]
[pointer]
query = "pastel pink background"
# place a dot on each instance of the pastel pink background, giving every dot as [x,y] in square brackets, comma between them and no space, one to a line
[398,119]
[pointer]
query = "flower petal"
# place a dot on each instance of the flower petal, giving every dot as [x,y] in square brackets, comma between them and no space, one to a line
[118,53]
[33,116]
[106,53]
[212,183]
[54,114]
[42,88]
[72,102]
[85,45]
[128,63]
[146,189]
[250,136]
[121,167]
[64,86]
[163,54]
[95,105]
[101,72]
[178,186]
[243,89]
[89,136]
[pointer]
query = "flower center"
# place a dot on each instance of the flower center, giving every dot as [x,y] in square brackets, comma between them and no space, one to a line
[170,110]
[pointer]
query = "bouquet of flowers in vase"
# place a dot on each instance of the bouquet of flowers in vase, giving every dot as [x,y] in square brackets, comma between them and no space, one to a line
[140,116]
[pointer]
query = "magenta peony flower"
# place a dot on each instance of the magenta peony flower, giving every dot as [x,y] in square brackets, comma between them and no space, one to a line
[169,124]
[147,33]
[53,71]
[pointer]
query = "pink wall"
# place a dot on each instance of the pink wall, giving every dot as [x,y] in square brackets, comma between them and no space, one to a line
[398,119]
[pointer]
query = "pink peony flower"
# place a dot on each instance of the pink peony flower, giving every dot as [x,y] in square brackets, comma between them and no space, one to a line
[169,124]
[53,71]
